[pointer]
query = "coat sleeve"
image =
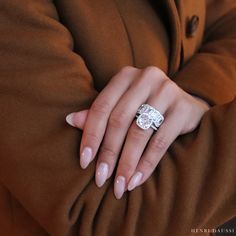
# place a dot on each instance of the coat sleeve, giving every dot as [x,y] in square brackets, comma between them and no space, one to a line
[43,189]
[41,80]
[211,73]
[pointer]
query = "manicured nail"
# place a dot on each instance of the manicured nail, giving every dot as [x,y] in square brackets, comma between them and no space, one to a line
[119,186]
[86,157]
[101,174]
[70,119]
[135,180]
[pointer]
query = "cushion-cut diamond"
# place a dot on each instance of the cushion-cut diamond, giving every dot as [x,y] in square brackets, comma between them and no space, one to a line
[147,116]
[144,121]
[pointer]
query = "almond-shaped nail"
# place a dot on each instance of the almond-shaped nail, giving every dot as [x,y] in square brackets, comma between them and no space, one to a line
[135,180]
[119,187]
[101,174]
[86,157]
[70,119]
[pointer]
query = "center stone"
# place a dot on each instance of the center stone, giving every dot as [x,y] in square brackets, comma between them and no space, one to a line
[144,121]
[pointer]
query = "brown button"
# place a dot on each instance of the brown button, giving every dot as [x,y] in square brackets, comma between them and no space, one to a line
[192,26]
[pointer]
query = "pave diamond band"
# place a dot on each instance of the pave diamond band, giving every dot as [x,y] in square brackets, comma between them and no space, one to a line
[148,117]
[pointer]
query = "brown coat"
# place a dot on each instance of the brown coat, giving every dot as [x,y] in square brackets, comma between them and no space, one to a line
[54,58]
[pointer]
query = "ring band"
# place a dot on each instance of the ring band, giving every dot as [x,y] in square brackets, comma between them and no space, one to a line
[148,117]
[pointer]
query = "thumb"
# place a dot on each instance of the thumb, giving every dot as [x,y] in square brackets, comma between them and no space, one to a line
[77,119]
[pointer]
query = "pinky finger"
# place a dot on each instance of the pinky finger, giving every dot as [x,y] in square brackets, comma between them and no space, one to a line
[155,150]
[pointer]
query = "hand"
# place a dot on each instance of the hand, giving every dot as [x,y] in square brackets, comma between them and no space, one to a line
[109,126]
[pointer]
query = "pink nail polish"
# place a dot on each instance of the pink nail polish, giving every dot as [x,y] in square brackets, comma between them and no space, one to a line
[119,186]
[135,180]
[86,157]
[101,174]
[70,119]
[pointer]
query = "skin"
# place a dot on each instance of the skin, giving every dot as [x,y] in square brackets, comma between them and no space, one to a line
[110,131]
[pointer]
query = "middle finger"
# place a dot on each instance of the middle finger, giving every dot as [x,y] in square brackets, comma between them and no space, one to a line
[119,123]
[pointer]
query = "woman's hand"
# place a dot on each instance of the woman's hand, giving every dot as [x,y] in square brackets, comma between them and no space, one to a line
[109,126]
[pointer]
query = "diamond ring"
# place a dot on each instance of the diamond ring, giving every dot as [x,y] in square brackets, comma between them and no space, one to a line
[148,117]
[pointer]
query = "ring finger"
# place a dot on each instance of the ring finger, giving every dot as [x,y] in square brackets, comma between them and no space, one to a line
[133,149]
[157,147]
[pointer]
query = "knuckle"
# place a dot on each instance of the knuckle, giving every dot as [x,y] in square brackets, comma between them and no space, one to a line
[93,139]
[148,164]
[117,120]
[160,143]
[108,154]
[126,70]
[170,89]
[153,70]
[126,168]
[136,133]
[100,107]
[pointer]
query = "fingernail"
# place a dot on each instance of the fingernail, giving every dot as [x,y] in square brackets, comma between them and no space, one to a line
[119,186]
[135,180]
[70,119]
[86,157]
[101,174]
